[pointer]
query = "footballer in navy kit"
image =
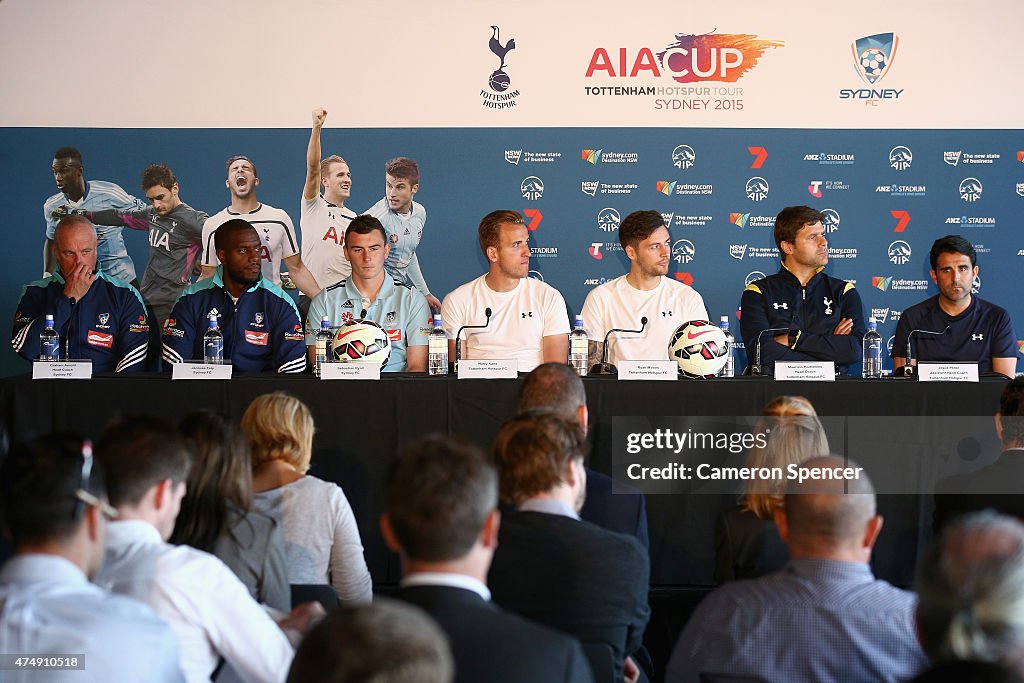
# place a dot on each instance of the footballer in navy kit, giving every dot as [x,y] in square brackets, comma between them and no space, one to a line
[814,316]
[259,321]
[964,327]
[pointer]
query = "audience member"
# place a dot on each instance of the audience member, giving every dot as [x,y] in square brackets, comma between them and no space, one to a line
[322,543]
[968,670]
[442,519]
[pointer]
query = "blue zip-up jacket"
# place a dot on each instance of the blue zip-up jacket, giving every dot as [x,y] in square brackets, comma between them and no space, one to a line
[813,311]
[108,325]
[261,330]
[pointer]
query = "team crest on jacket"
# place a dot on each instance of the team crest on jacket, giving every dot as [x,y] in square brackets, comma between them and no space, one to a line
[391,317]
[104,317]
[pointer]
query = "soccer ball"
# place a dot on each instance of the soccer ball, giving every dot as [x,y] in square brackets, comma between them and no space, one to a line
[700,349]
[499,81]
[872,61]
[362,341]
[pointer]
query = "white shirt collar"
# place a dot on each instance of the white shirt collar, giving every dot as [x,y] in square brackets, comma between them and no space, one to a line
[132,531]
[36,567]
[447,579]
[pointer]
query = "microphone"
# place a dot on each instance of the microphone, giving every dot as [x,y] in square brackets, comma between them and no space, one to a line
[909,369]
[604,367]
[71,326]
[458,336]
[755,368]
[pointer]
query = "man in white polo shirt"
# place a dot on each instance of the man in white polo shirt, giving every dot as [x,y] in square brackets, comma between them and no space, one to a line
[642,292]
[528,318]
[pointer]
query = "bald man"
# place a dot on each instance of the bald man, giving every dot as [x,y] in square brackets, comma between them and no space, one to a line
[824,617]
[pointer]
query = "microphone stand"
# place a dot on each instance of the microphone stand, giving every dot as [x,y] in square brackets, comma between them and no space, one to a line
[755,368]
[604,367]
[458,337]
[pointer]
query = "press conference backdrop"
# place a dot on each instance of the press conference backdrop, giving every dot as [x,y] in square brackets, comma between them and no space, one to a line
[902,124]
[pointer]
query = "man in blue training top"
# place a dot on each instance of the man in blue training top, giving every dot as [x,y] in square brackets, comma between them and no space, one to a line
[260,323]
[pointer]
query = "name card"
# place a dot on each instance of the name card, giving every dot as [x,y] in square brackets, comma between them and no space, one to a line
[648,369]
[947,372]
[492,368]
[805,370]
[62,369]
[193,370]
[355,370]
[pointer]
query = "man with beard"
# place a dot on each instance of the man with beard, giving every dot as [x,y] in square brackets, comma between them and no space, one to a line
[259,321]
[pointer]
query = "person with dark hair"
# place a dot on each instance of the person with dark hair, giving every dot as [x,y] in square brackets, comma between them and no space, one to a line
[404,220]
[825,617]
[552,567]
[259,321]
[965,327]
[278,241]
[105,317]
[528,320]
[820,317]
[371,293]
[55,510]
[147,462]
[386,641]
[217,514]
[175,230]
[441,517]
[644,291]
[89,195]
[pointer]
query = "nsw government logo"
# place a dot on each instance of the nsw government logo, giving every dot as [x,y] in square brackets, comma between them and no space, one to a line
[499,97]
[970,189]
[1020,189]
[532,188]
[683,251]
[756,189]
[899,253]
[683,157]
[608,219]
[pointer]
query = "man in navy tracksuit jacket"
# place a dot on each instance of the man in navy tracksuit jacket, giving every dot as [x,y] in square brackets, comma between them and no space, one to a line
[104,316]
[260,323]
[819,317]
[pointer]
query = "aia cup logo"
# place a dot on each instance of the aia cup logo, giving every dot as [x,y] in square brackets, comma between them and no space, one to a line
[900,158]
[532,188]
[683,157]
[899,253]
[752,277]
[831,220]
[756,189]
[873,55]
[608,219]
[976,285]
[683,251]
[499,80]
[970,189]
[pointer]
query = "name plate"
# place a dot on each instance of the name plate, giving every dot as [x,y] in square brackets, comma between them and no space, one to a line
[947,372]
[806,370]
[493,368]
[648,369]
[350,371]
[193,370]
[62,369]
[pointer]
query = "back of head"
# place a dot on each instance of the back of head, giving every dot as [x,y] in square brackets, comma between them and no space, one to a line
[554,386]
[970,588]
[138,452]
[830,511]
[38,481]
[533,451]
[785,406]
[1011,410]
[793,439]
[279,426]
[383,642]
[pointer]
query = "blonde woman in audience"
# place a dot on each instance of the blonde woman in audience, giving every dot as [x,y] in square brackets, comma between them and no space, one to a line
[747,544]
[322,543]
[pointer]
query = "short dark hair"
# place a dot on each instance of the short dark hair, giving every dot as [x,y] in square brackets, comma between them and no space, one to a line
[404,168]
[226,229]
[489,232]
[231,160]
[1011,410]
[555,386]
[638,226]
[68,153]
[439,493]
[385,641]
[158,174]
[138,452]
[38,480]
[791,219]
[364,225]
[532,451]
[952,244]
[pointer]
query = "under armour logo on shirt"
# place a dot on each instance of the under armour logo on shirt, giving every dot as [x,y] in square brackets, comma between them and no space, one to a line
[778,306]
[828,305]
[666,314]
[977,337]
[528,314]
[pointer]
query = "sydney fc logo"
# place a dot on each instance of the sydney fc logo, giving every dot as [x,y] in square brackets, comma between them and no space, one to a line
[499,82]
[873,55]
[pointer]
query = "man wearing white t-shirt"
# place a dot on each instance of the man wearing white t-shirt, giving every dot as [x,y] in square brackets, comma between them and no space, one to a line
[528,318]
[278,241]
[642,292]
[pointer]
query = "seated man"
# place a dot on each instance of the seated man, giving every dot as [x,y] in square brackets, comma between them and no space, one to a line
[260,323]
[550,565]
[642,292]
[528,318]
[965,327]
[824,617]
[820,317]
[399,309]
[105,317]
[54,505]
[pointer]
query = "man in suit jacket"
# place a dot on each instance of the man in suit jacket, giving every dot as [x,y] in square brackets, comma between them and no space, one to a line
[441,517]
[552,566]
[998,486]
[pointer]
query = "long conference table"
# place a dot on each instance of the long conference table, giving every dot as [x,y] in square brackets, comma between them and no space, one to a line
[362,424]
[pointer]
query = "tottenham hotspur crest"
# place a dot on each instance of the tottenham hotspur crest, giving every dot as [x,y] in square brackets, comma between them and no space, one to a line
[828,305]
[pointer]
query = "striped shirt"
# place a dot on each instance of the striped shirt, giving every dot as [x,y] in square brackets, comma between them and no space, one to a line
[277,237]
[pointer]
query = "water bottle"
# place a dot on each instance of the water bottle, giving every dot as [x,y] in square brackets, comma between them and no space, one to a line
[49,342]
[872,357]
[324,337]
[437,349]
[579,348]
[213,344]
[729,369]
